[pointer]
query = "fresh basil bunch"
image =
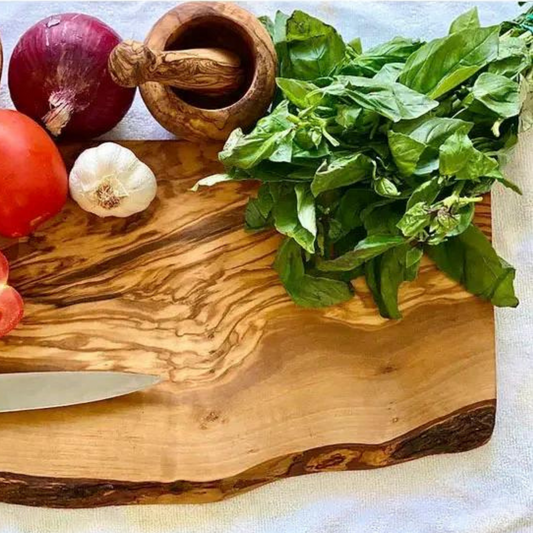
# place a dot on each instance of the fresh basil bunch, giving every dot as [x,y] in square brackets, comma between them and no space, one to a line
[371,158]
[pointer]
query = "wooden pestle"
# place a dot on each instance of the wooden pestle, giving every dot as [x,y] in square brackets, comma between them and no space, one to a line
[206,70]
[238,94]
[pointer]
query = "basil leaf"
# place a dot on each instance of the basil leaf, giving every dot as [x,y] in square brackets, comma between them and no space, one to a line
[526,114]
[311,154]
[464,217]
[446,224]
[314,48]
[458,157]
[277,30]
[413,257]
[282,153]
[471,260]
[406,152]
[247,151]
[315,291]
[307,290]
[467,21]
[385,274]
[432,133]
[268,171]
[354,117]
[497,94]
[426,192]
[382,217]
[271,139]
[287,219]
[356,45]
[257,215]
[390,99]
[389,72]
[478,165]
[414,220]
[506,183]
[455,153]
[267,22]
[365,250]
[513,57]
[443,64]
[336,231]
[369,63]
[209,181]
[385,187]
[342,170]
[351,206]
[305,203]
[300,93]
[289,262]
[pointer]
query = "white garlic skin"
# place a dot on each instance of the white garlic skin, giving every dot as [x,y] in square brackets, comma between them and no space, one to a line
[110,181]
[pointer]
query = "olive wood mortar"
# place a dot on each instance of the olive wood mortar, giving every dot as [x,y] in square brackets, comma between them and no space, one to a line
[204,69]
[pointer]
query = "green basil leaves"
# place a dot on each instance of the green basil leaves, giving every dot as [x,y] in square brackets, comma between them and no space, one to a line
[369,158]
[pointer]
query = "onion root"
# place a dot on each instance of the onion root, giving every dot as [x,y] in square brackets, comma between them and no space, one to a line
[61,108]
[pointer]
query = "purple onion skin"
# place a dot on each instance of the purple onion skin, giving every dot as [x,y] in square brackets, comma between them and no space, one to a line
[58,75]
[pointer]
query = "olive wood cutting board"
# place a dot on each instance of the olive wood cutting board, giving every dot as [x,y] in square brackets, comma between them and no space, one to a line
[255,389]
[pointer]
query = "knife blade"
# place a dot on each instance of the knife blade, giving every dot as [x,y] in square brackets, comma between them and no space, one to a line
[42,390]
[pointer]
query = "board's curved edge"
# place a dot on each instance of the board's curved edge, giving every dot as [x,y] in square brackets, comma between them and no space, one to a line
[462,430]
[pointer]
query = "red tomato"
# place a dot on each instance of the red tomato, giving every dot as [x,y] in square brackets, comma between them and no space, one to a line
[33,177]
[11,305]
[11,309]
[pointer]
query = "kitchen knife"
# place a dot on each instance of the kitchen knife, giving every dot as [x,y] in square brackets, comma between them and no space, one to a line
[41,390]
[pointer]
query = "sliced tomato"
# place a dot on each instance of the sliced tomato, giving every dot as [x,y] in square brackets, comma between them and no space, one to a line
[4,269]
[11,309]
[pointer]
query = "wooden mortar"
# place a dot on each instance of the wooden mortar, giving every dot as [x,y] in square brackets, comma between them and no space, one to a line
[204,69]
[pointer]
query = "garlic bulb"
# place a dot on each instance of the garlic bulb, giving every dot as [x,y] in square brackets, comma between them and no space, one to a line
[110,181]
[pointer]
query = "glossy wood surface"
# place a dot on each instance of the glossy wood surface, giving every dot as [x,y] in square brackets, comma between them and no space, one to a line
[255,389]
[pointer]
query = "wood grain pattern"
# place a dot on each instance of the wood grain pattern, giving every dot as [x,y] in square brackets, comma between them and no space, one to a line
[212,25]
[255,389]
[207,70]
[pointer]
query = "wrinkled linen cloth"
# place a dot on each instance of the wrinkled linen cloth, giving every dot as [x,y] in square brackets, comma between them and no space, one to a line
[487,490]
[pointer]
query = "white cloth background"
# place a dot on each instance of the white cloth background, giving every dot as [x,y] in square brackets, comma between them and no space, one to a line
[488,490]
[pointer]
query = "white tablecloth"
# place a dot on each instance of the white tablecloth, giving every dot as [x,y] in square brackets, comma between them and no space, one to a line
[488,490]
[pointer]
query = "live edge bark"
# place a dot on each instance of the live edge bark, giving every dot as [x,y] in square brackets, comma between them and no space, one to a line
[460,431]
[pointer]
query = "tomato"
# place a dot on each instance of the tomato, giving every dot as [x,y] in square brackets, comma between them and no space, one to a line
[11,304]
[33,177]
[11,309]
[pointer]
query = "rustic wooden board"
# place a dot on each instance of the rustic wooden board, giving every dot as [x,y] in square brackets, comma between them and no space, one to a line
[255,389]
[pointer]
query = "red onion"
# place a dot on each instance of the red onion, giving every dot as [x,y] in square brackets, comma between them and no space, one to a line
[58,75]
